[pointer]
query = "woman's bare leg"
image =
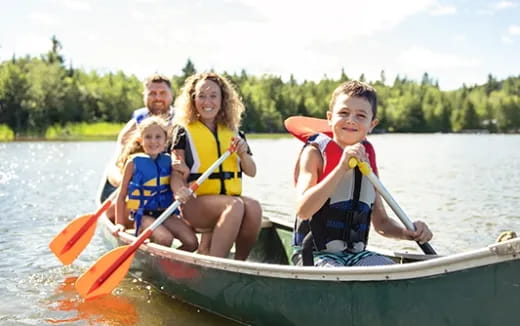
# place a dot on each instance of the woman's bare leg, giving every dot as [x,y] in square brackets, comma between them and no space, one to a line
[205,243]
[222,213]
[249,229]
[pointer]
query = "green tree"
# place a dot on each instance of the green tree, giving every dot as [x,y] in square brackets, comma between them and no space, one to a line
[189,69]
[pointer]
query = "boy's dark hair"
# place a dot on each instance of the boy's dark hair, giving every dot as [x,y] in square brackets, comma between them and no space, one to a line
[359,89]
[157,78]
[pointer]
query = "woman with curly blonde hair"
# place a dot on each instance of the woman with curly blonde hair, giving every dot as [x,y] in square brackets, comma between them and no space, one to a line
[207,116]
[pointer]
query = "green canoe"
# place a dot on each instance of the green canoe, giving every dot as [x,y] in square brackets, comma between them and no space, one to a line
[479,287]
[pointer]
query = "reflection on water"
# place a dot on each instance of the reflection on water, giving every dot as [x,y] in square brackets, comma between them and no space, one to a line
[70,307]
[467,187]
[43,186]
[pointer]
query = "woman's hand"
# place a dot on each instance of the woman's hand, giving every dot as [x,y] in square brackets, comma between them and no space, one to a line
[181,167]
[240,145]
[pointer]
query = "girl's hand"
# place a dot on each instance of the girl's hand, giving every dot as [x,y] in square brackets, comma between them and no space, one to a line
[118,228]
[183,194]
[357,151]
[240,145]
[181,167]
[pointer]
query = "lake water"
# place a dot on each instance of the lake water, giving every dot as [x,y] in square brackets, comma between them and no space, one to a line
[466,187]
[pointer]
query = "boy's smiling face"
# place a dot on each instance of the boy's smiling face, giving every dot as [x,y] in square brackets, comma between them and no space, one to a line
[351,119]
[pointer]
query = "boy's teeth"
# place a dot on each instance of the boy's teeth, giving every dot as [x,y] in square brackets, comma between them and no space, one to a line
[207,109]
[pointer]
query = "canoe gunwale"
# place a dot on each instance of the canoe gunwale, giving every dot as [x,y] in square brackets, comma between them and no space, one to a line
[493,254]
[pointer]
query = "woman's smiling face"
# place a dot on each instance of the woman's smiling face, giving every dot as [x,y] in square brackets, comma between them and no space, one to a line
[208,100]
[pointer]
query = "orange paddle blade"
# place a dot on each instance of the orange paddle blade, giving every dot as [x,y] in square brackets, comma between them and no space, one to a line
[71,241]
[102,277]
[303,127]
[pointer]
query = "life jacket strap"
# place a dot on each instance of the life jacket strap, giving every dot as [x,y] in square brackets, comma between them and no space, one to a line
[225,175]
[307,249]
[355,203]
[138,214]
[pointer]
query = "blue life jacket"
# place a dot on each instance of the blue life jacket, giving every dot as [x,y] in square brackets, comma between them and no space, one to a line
[149,189]
[140,114]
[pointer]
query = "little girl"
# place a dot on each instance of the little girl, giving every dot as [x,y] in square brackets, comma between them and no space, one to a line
[146,188]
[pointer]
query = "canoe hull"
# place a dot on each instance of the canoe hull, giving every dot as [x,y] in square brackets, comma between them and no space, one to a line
[476,288]
[486,295]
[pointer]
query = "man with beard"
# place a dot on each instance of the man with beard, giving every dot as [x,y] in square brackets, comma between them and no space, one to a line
[158,97]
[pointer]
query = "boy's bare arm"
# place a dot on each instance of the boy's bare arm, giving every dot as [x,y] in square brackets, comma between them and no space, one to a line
[312,195]
[389,227]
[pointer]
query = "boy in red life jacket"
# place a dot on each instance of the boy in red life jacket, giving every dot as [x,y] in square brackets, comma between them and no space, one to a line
[336,205]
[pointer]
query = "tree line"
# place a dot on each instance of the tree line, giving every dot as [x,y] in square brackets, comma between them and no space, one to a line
[39,92]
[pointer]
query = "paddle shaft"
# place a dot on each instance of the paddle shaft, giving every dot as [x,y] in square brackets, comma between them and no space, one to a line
[367,171]
[93,219]
[149,230]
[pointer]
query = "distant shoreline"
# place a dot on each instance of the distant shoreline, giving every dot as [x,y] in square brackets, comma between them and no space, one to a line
[251,135]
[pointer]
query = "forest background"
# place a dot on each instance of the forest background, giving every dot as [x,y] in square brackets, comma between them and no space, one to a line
[41,97]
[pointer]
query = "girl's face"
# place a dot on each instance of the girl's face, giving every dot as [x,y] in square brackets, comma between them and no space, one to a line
[351,119]
[153,140]
[208,99]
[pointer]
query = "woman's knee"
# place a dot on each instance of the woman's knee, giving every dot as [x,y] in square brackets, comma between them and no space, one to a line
[190,243]
[253,210]
[236,205]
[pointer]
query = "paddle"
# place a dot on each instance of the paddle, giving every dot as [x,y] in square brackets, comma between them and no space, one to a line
[70,242]
[102,277]
[304,127]
[367,172]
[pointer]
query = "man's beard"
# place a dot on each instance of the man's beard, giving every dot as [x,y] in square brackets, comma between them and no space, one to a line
[158,108]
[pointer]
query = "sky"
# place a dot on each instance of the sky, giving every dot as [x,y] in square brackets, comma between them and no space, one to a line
[455,42]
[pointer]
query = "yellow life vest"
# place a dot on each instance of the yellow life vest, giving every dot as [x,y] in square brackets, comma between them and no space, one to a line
[206,148]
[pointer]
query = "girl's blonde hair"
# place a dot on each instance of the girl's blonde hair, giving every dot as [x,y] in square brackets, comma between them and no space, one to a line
[134,144]
[231,108]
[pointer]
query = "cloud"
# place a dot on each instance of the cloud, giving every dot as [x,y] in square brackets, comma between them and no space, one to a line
[428,60]
[506,39]
[77,5]
[42,18]
[514,30]
[495,7]
[440,10]
[504,5]
[338,20]
[29,43]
